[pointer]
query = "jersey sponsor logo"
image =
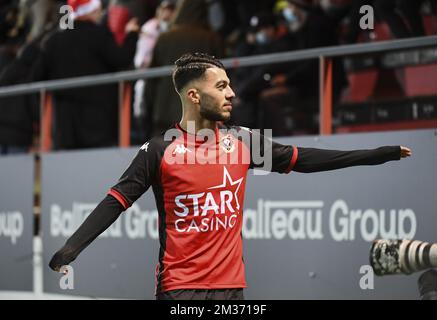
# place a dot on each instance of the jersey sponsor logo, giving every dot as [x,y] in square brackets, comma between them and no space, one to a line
[222,202]
[181,149]
[145,146]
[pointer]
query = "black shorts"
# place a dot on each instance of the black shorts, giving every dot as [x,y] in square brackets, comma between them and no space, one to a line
[202,294]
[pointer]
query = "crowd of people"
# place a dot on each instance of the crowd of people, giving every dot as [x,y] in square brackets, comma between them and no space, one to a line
[41,41]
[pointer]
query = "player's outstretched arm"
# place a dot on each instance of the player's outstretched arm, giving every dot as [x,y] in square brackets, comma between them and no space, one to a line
[106,212]
[132,184]
[314,160]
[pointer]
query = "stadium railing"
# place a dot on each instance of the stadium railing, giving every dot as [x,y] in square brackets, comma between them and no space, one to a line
[325,56]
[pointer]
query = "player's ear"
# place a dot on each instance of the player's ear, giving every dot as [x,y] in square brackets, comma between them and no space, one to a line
[193,95]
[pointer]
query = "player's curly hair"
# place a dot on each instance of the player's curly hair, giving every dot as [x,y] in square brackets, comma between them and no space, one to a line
[192,66]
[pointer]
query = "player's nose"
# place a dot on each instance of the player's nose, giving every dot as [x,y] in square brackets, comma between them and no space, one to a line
[230,93]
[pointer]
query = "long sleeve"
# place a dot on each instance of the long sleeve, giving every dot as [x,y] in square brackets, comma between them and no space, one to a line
[107,211]
[314,160]
[133,183]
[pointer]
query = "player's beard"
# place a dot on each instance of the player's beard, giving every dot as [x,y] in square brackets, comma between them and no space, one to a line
[211,110]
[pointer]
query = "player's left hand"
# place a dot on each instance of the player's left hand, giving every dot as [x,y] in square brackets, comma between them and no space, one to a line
[405,152]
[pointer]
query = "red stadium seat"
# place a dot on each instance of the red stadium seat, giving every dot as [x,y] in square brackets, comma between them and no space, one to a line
[420,80]
[382,32]
[430,24]
[361,85]
[388,85]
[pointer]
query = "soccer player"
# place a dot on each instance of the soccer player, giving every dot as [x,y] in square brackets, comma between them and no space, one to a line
[197,170]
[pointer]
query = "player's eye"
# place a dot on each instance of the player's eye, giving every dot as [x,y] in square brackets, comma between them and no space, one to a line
[222,86]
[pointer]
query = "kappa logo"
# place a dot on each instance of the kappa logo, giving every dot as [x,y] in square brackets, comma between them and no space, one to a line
[145,146]
[181,149]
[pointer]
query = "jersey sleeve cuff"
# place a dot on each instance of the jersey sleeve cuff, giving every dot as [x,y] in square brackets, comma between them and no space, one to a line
[292,160]
[119,197]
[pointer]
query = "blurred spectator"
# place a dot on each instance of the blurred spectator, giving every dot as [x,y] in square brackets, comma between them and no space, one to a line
[235,18]
[7,13]
[261,38]
[19,114]
[13,23]
[85,117]
[309,28]
[190,32]
[246,9]
[216,14]
[118,15]
[150,32]
[42,14]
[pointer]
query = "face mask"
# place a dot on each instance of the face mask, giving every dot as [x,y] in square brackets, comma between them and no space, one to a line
[261,38]
[289,15]
[163,26]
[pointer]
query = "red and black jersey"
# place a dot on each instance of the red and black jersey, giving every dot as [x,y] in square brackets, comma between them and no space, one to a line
[199,191]
[199,184]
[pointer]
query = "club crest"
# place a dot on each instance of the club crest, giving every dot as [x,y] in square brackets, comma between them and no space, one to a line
[227,143]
